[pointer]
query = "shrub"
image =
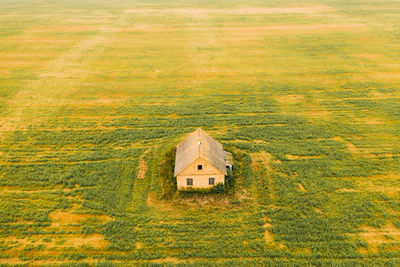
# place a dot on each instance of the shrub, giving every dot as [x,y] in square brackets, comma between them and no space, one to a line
[167,178]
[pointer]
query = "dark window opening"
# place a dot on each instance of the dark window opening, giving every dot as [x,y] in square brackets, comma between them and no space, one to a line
[211,181]
[199,167]
[189,181]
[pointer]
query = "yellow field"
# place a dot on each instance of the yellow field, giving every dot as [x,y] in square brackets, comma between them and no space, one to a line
[305,94]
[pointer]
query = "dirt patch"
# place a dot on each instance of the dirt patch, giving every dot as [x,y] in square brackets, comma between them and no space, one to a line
[167,260]
[355,150]
[267,235]
[239,141]
[297,157]
[60,218]
[25,241]
[282,174]
[160,205]
[376,236]
[12,261]
[94,240]
[262,158]
[338,138]
[301,187]
[59,242]
[362,250]
[318,210]
[290,99]
[303,251]
[376,94]
[142,169]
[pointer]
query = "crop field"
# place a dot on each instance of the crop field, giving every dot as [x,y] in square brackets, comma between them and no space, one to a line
[94,93]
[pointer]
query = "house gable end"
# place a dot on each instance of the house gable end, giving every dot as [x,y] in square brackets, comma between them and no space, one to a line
[207,168]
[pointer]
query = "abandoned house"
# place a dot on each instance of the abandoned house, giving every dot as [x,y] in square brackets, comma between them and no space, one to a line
[201,162]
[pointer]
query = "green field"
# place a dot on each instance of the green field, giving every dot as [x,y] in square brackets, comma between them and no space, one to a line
[306,94]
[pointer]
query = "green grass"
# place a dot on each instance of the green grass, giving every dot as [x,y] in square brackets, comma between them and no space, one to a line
[308,100]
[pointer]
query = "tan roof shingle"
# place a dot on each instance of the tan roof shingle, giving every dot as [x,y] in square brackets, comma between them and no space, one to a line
[199,144]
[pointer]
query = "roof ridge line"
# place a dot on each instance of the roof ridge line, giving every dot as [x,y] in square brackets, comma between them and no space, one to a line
[199,141]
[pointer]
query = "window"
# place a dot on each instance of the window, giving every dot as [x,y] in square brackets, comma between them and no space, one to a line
[211,181]
[199,167]
[189,181]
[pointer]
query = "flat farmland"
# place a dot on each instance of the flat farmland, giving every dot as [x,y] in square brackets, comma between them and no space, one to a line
[306,94]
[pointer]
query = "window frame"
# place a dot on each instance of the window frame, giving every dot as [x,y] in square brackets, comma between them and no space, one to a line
[213,181]
[187,181]
[199,167]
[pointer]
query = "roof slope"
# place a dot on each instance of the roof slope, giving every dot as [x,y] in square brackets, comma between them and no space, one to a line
[199,145]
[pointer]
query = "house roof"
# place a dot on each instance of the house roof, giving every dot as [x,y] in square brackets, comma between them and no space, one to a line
[199,145]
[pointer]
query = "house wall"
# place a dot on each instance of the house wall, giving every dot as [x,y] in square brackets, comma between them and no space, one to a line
[200,177]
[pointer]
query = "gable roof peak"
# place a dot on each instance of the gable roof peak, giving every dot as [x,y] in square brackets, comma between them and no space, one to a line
[199,145]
